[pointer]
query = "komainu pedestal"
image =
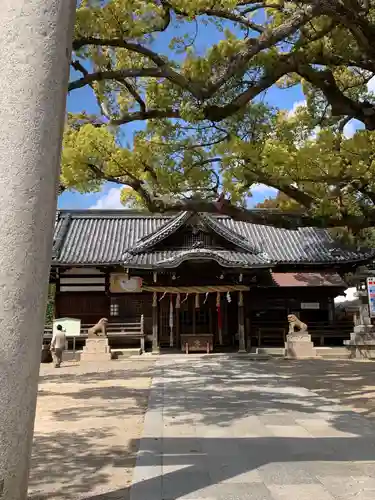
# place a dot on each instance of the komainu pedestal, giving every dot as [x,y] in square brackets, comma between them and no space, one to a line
[96,349]
[299,346]
[298,343]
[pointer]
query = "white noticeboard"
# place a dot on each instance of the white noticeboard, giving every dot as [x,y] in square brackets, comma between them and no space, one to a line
[310,305]
[71,326]
[371,296]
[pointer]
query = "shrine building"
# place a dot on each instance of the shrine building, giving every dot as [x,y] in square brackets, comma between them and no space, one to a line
[199,275]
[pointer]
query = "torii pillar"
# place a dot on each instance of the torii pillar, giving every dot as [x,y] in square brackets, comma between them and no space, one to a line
[36,37]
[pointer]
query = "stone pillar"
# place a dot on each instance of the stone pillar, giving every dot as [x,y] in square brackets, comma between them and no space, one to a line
[241,324]
[155,339]
[35,53]
[362,340]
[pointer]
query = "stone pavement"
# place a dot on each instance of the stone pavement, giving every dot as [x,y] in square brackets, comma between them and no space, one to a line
[89,419]
[226,428]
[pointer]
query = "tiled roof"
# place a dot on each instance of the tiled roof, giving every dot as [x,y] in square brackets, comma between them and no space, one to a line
[125,237]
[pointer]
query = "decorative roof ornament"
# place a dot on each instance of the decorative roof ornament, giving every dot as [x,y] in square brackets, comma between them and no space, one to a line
[160,234]
[228,234]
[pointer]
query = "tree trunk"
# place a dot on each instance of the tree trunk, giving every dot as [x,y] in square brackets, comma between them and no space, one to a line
[35,53]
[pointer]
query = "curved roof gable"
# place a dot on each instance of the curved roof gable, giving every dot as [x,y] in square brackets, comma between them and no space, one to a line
[172,226]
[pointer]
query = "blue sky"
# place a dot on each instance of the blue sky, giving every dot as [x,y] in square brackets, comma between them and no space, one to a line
[83,100]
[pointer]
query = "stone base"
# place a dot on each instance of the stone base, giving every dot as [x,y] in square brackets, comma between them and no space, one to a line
[362,342]
[96,349]
[299,346]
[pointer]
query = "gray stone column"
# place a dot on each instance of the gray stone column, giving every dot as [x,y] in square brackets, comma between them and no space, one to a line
[34,53]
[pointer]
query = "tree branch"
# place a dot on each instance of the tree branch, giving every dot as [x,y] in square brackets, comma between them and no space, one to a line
[341,104]
[237,18]
[150,114]
[120,74]
[130,181]
[224,14]
[161,62]
[133,92]
[277,218]
[217,113]
[239,63]
[79,67]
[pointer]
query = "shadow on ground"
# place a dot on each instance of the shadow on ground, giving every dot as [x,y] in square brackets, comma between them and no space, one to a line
[352,382]
[224,390]
[77,463]
[219,393]
[274,433]
[85,428]
[248,468]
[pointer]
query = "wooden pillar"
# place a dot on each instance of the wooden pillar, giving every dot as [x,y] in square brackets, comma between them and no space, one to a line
[219,321]
[194,316]
[155,339]
[225,319]
[248,333]
[178,332]
[107,285]
[241,324]
[331,310]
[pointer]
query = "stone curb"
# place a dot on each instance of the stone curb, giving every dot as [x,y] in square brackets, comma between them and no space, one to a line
[147,474]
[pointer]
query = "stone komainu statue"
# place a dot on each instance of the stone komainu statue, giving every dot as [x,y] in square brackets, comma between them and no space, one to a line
[98,330]
[295,323]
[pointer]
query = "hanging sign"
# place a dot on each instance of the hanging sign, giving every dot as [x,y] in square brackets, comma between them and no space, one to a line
[310,305]
[122,283]
[371,296]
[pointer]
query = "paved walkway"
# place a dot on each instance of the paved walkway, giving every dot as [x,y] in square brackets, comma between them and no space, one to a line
[228,428]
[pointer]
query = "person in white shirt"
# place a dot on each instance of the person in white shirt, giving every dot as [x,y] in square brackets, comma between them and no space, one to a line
[58,345]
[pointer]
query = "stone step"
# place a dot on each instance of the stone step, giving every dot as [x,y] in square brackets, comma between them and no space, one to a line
[126,353]
[270,351]
[116,354]
[253,356]
[333,352]
[72,356]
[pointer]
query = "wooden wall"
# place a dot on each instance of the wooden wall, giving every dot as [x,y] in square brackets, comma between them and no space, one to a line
[84,293]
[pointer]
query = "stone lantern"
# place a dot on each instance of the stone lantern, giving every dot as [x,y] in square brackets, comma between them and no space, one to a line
[362,339]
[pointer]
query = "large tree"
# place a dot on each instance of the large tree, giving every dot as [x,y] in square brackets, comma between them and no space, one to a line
[208,135]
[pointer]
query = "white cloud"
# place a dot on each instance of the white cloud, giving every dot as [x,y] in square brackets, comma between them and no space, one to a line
[296,105]
[263,190]
[109,200]
[371,85]
[349,296]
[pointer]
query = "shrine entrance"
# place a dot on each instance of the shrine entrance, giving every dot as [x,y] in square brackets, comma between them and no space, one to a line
[212,316]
